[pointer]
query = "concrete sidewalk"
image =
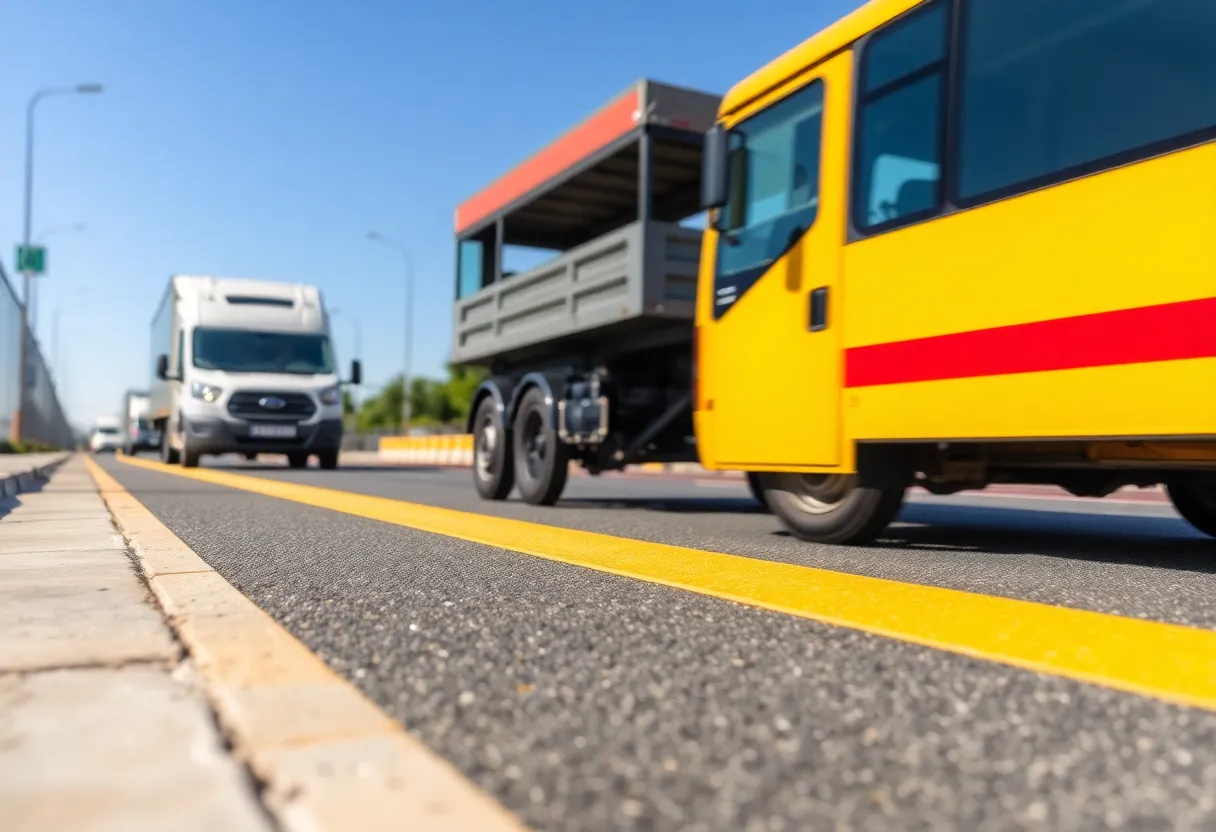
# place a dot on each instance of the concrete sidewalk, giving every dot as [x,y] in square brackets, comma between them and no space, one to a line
[101,724]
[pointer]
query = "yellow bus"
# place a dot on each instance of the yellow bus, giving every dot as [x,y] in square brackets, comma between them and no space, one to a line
[961,242]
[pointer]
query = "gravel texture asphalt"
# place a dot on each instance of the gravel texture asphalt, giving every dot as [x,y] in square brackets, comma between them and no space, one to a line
[1139,561]
[585,701]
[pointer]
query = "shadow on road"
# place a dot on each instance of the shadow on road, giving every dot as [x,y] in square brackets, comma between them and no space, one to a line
[1159,542]
[668,505]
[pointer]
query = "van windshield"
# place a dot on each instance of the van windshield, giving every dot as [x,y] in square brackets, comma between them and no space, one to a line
[245,351]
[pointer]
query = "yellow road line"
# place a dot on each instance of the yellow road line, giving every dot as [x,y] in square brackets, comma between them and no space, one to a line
[1166,661]
[330,759]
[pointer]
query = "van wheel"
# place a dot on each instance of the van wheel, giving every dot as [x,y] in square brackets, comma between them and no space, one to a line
[190,457]
[542,461]
[297,460]
[493,462]
[168,454]
[328,460]
[830,508]
[251,457]
[1194,496]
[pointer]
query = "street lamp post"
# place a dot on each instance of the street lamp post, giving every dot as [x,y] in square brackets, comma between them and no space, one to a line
[22,392]
[409,323]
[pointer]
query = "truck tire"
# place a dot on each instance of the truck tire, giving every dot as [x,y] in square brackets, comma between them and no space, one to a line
[1194,497]
[542,461]
[830,508]
[493,462]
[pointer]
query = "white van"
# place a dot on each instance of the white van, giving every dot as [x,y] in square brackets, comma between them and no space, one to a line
[246,367]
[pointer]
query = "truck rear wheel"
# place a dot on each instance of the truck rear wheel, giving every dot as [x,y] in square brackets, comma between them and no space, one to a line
[830,508]
[1194,497]
[542,461]
[493,463]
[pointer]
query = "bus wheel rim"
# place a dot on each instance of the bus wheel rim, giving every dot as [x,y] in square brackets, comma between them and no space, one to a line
[820,493]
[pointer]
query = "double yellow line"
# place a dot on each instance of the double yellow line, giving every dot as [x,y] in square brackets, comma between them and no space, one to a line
[1166,661]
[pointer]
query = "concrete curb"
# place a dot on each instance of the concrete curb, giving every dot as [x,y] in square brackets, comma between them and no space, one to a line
[22,481]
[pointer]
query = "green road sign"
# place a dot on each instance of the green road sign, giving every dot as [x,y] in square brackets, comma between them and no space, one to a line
[31,259]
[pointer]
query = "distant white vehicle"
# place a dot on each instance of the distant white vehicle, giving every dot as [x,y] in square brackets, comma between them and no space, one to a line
[247,367]
[138,435]
[105,436]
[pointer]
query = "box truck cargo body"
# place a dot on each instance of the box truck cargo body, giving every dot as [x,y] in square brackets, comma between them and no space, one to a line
[137,433]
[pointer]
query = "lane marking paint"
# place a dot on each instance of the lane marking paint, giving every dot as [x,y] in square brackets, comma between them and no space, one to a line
[1166,661]
[330,758]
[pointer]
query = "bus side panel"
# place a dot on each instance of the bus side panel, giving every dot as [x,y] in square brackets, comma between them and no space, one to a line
[1083,310]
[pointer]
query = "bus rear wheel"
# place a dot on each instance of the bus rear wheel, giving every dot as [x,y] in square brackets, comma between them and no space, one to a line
[830,508]
[1194,497]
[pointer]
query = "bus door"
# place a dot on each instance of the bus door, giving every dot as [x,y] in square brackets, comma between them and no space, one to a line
[773,347]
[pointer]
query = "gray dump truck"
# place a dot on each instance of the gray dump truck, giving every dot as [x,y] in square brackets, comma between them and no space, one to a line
[589,348]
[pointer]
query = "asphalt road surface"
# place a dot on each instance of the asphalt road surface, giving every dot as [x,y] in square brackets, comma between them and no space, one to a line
[587,701]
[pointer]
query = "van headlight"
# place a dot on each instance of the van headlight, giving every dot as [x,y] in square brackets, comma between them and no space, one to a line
[206,392]
[331,395]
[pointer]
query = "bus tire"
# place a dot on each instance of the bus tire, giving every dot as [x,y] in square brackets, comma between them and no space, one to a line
[542,460]
[830,508]
[1194,497]
[757,489]
[493,462]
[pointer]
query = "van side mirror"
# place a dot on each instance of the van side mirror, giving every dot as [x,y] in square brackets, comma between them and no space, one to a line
[715,179]
[356,373]
[162,367]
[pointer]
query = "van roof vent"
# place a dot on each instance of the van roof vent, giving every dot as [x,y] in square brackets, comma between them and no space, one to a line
[251,300]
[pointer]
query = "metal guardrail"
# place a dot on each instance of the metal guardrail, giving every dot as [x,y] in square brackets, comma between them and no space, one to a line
[42,419]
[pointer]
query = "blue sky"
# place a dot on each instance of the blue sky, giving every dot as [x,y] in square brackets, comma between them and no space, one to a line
[263,139]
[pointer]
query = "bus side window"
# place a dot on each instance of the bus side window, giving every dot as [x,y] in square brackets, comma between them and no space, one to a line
[900,136]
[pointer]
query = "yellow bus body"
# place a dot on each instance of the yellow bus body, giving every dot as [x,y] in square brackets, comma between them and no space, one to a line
[1065,316]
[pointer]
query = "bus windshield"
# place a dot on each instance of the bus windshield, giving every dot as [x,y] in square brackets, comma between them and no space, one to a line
[246,351]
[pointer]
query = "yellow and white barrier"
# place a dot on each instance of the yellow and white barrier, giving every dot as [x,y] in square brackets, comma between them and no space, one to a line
[445,449]
[457,450]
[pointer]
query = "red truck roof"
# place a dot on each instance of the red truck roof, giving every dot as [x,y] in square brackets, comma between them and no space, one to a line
[584,176]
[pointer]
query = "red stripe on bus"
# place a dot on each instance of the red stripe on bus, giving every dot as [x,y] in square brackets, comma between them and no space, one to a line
[1167,332]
